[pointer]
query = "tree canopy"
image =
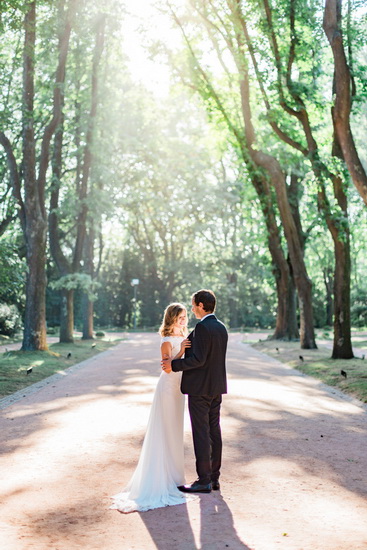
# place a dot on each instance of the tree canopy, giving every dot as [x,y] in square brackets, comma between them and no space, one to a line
[245,174]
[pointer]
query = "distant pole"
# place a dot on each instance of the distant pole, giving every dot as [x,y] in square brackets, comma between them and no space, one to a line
[134,284]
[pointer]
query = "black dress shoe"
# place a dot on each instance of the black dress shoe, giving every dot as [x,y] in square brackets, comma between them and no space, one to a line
[196,487]
[215,485]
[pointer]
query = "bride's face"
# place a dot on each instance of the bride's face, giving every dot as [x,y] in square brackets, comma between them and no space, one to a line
[181,320]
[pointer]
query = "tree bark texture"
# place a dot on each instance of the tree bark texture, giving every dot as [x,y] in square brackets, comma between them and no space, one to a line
[88,304]
[338,230]
[34,337]
[342,96]
[65,266]
[342,348]
[280,266]
[67,316]
[295,247]
[31,201]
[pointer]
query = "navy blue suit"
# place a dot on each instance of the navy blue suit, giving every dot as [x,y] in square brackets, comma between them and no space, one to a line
[204,380]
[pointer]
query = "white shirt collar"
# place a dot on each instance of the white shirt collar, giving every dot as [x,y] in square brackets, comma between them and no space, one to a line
[205,316]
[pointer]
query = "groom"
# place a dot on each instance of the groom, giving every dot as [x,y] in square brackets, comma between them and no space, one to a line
[204,380]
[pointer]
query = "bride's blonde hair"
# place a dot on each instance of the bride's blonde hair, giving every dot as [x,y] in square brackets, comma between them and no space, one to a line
[170,316]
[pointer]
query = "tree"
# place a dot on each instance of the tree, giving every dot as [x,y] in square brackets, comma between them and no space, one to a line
[32,209]
[343,96]
[84,160]
[264,169]
[296,98]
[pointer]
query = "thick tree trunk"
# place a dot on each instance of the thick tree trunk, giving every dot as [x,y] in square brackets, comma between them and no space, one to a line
[342,96]
[280,267]
[34,337]
[342,348]
[88,311]
[284,322]
[301,280]
[293,330]
[67,316]
[272,167]
[340,116]
[88,305]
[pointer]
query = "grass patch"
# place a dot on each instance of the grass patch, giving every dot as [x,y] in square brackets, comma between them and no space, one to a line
[14,364]
[317,363]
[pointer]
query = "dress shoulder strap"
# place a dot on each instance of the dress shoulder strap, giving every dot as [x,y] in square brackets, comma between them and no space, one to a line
[166,339]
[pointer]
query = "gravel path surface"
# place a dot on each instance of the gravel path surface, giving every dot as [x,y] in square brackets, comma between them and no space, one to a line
[294,468]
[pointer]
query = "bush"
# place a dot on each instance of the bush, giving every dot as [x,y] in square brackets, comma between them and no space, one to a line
[100,334]
[10,321]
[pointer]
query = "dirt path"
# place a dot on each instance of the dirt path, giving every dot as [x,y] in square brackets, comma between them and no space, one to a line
[294,472]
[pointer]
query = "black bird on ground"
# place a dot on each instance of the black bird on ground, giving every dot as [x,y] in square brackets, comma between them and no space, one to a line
[301,358]
[29,370]
[343,373]
[68,355]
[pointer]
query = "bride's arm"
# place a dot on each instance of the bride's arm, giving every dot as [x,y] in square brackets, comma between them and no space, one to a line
[166,350]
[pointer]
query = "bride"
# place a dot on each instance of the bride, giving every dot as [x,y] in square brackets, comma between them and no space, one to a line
[161,464]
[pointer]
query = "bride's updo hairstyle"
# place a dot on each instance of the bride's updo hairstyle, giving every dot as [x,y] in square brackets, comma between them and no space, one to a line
[170,316]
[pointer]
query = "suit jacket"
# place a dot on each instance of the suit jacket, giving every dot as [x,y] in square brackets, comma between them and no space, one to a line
[204,368]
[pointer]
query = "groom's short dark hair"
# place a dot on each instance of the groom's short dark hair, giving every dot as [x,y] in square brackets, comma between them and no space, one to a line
[207,298]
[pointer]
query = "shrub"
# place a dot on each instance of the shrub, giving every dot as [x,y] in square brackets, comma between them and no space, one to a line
[10,321]
[100,334]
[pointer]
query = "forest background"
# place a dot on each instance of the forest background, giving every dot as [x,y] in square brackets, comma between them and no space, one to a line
[148,150]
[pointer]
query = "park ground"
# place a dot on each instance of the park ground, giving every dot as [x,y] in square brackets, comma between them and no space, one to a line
[294,465]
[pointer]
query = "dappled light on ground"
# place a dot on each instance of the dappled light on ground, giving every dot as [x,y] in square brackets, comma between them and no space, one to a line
[293,467]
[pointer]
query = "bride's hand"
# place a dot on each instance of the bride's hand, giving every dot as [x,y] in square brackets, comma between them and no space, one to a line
[185,344]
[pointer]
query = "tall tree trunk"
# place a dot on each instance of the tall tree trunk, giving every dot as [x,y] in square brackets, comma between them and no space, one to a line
[34,337]
[293,331]
[339,232]
[88,312]
[66,267]
[32,211]
[342,96]
[295,247]
[260,183]
[67,316]
[342,348]
[88,304]
[285,321]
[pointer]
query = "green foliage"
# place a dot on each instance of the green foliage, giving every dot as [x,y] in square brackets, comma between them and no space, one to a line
[359,307]
[74,281]
[10,320]
[171,193]
[12,274]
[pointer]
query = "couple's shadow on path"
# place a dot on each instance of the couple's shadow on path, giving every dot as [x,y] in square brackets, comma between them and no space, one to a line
[172,528]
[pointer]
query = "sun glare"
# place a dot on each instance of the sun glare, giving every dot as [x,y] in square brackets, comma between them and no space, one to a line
[144,25]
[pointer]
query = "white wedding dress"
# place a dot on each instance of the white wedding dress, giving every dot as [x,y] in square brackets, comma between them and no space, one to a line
[161,464]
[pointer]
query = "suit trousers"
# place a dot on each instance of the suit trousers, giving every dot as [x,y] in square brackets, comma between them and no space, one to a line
[205,421]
